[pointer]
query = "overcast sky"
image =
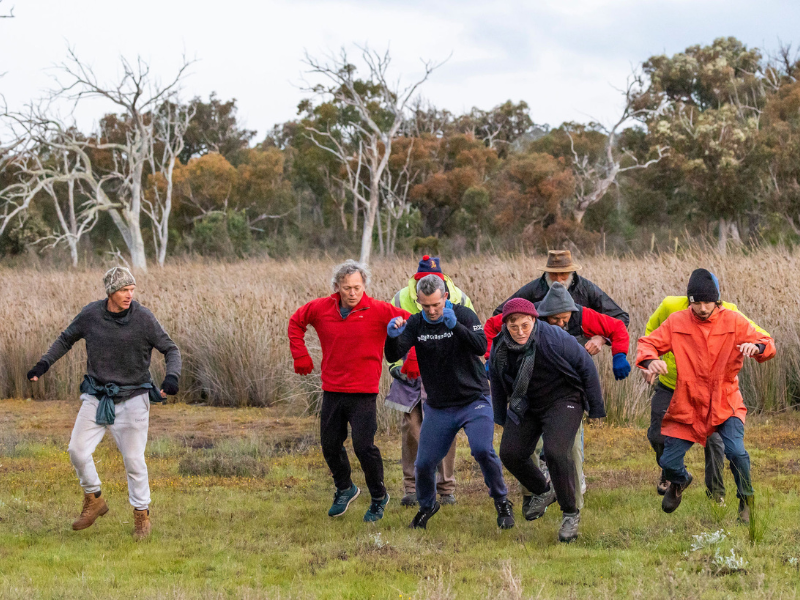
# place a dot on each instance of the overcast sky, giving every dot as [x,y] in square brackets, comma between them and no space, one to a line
[564,57]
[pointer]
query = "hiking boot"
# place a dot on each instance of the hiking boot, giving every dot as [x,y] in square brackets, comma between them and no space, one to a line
[446,499]
[662,485]
[746,505]
[569,527]
[420,520]
[342,500]
[505,514]
[375,510]
[141,524]
[672,499]
[93,506]
[536,505]
[409,499]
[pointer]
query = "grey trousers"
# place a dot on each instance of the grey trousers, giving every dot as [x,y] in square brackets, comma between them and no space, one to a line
[714,450]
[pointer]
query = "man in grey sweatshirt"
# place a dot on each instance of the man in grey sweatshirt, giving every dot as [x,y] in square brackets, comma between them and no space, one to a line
[120,335]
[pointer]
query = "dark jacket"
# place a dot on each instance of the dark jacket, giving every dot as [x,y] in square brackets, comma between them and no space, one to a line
[583,292]
[571,360]
[449,360]
[118,350]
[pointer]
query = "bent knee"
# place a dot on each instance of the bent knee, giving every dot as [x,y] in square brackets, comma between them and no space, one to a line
[483,454]
[79,456]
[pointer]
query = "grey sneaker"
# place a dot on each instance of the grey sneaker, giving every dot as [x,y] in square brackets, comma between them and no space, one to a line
[446,499]
[537,505]
[569,527]
[409,499]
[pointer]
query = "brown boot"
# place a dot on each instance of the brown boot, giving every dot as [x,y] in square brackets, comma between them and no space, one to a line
[93,506]
[746,504]
[141,524]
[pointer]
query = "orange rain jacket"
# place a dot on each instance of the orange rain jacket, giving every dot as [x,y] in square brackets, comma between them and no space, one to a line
[707,392]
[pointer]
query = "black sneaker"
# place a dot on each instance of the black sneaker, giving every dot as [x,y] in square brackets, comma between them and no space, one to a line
[569,527]
[537,505]
[672,499]
[420,520]
[505,514]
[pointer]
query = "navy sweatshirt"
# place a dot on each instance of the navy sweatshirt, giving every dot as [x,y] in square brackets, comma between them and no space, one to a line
[449,359]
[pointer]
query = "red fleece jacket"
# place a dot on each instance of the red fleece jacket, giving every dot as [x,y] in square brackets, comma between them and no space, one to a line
[352,348]
[592,323]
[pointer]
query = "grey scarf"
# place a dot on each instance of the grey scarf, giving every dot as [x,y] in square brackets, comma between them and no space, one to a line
[518,396]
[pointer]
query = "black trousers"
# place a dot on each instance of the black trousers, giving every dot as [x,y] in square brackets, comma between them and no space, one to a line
[359,410]
[559,423]
[714,449]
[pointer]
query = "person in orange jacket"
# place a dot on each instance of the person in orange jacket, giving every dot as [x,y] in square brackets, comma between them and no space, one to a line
[710,344]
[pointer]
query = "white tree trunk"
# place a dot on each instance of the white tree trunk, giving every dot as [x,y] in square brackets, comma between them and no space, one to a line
[722,242]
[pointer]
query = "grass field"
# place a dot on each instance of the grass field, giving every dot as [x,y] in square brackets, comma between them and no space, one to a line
[239,503]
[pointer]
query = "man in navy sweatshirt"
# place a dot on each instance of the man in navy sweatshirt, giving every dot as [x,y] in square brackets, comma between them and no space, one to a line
[449,342]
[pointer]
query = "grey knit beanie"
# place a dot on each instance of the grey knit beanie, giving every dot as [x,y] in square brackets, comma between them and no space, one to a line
[556,301]
[117,278]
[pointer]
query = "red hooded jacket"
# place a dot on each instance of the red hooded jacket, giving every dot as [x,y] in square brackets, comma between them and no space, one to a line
[352,348]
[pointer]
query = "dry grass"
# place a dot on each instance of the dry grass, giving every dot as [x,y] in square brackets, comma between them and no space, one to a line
[229,320]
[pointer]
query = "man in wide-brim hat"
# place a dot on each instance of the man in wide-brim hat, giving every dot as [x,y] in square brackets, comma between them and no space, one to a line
[560,267]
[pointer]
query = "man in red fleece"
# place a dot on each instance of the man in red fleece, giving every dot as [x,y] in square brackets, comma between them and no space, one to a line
[352,330]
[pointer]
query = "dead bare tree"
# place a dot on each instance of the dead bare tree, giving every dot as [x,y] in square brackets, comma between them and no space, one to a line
[47,155]
[169,124]
[138,95]
[593,178]
[368,150]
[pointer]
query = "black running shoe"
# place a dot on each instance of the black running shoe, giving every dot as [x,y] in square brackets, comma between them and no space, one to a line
[420,520]
[505,514]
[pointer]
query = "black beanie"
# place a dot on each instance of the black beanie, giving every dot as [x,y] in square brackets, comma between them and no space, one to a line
[702,287]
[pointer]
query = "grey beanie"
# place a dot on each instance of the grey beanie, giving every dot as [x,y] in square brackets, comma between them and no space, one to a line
[117,278]
[556,301]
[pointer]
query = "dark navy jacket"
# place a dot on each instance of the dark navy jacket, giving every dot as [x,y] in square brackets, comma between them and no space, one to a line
[572,361]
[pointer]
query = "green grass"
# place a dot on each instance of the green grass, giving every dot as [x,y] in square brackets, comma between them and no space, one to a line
[268,536]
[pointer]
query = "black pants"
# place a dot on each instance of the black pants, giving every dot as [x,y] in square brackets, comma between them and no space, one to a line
[714,450]
[359,411]
[559,423]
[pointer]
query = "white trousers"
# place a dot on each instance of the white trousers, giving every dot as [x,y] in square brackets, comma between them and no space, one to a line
[130,434]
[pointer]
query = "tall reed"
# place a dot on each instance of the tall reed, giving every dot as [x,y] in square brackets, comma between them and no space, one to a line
[230,319]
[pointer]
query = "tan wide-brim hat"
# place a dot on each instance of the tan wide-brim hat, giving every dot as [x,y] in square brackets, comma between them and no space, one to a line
[560,261]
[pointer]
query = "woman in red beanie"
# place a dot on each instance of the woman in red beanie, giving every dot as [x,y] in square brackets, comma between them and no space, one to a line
[542,380]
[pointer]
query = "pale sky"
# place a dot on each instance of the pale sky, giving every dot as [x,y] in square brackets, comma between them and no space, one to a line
[565,58]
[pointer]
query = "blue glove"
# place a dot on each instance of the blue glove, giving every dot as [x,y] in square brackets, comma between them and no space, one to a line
[394,332]
[449,315]
[622,367]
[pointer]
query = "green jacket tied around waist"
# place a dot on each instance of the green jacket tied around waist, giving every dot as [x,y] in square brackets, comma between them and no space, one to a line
[105,393]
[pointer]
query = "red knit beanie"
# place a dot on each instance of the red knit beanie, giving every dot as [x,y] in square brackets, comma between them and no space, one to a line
[519,306]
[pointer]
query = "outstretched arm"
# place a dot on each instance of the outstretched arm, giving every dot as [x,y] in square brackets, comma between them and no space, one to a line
[60,347]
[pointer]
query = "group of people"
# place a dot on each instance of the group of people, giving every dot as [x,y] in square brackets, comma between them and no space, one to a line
[529,369]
